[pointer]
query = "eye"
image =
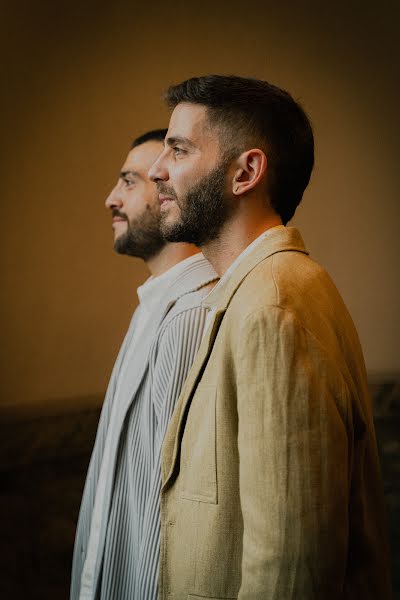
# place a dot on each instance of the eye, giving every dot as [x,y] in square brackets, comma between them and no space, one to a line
[178,151]
[129,182]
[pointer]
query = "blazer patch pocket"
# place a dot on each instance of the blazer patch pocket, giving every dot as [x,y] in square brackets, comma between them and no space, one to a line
[198,450]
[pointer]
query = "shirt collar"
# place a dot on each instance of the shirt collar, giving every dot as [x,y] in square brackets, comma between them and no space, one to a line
[247,251]
[188,275]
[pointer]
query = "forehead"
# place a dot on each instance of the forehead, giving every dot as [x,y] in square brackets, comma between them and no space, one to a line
[191,121]
[142,157]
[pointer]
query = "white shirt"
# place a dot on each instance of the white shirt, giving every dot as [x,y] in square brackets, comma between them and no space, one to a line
[146,422]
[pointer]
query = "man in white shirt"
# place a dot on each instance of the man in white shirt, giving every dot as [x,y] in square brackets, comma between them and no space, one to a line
[116,553]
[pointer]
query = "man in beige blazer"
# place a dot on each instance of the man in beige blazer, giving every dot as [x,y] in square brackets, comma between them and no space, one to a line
[271,481]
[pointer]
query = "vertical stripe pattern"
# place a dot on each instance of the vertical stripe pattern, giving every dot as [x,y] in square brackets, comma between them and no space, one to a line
[147,380]
[131,555]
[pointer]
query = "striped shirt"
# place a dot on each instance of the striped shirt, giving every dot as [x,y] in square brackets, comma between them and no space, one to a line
[116,554]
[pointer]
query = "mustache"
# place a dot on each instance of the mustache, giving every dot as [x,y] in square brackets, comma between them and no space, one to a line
[116,213]
[162,188]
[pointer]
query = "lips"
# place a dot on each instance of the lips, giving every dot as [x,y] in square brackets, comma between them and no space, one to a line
[117,221]
[163,198]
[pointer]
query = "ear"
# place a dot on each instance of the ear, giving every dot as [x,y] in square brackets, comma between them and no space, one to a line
[251,168]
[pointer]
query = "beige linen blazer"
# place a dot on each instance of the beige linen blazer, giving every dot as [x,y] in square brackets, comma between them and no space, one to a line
[271,480]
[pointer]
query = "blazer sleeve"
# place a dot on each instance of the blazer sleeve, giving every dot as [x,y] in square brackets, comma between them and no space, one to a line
[294,452]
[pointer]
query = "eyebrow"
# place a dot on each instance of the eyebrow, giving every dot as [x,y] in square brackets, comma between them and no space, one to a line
[171,141]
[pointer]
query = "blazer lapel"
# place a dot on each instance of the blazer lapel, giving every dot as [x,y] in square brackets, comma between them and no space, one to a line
[285,239]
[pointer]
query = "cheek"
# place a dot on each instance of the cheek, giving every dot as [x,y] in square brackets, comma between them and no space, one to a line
[182,181]
[187,174]
[149,198]
[133,206]
[135,202]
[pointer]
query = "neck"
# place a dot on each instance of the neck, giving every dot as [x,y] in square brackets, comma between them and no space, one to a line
[170,255]
[234,237]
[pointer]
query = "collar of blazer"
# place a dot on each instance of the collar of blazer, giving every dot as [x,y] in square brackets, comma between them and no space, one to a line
[279,240]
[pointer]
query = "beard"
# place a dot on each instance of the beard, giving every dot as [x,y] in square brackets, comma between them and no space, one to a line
[143,238]
[204,209]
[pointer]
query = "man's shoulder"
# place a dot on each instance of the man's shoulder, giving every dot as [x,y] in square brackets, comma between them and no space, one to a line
[186,313]
[281,280]
[191,300]
[288,292]
[295,284]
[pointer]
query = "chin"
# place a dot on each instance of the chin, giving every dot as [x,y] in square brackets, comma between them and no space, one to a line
[169,225]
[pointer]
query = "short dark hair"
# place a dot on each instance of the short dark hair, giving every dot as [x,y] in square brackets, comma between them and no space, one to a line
[156,135]
[250,111]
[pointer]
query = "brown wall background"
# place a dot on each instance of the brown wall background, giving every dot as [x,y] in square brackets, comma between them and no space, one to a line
[81,81]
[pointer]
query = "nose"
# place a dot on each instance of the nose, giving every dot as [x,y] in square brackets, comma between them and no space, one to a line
[114,200]
[158,170]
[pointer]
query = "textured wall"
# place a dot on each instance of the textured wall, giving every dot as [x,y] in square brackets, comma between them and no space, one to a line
[81,81]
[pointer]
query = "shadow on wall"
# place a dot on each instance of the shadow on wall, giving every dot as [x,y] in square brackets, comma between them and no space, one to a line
[44,456]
